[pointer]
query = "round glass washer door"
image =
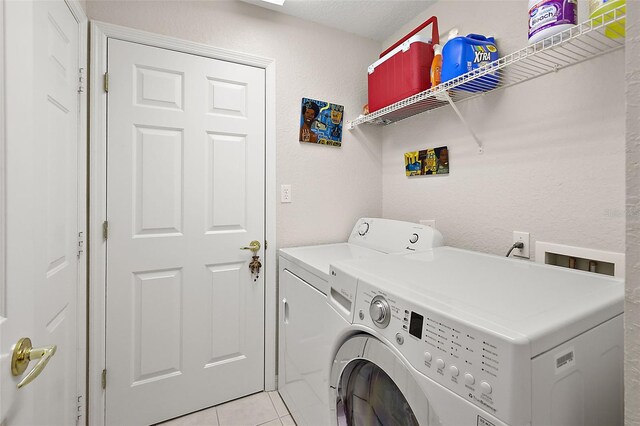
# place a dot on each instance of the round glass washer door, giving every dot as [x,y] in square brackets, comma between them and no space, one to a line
[371,386]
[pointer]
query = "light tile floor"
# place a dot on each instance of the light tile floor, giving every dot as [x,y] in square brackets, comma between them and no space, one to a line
[264,409]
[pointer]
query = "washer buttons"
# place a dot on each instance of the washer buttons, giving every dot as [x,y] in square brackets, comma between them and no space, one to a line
[427,357]
[399,339]
[439,364]
[454,371]
[485,388]
[469,379]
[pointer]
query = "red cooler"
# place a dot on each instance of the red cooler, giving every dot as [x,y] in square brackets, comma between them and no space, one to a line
[403,69]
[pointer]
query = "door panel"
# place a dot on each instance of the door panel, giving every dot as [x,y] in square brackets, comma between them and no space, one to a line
[226,326]
[227,182]
[42,208]
[185,191]
[158,181]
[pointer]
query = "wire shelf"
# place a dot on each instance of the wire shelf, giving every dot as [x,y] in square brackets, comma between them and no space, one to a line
[585,41]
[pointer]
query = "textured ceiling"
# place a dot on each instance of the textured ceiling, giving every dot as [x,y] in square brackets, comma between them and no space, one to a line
[375,19]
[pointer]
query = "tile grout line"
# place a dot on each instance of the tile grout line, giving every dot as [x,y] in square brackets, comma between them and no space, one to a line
[274,406]
[283,404]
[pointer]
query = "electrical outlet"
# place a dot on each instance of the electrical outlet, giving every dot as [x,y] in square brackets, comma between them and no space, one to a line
[285,193]
[429,222]
[522,237]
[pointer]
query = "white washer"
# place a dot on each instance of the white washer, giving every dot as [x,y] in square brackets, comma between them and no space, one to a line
[304,340]
[452,337]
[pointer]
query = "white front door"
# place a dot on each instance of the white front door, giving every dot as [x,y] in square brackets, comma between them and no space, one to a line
[41,172]
[185,191]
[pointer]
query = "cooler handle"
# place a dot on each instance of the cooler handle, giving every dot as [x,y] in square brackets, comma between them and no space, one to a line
[435,36]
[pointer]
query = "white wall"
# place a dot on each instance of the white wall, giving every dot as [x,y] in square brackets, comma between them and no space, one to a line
[554,160]
[632,305]
[331,186]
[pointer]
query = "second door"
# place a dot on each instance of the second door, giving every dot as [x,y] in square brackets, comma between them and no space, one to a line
[185,191]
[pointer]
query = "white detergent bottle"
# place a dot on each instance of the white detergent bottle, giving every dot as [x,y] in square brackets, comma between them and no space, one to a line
[549,17]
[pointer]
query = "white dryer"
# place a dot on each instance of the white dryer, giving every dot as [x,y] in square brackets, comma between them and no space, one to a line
[452,337]
[304,336]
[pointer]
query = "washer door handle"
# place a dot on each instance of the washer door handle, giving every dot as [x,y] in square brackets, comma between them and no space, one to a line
[285,306]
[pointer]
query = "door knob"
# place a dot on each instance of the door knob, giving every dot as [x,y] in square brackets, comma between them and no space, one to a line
[254,246]
[23,353]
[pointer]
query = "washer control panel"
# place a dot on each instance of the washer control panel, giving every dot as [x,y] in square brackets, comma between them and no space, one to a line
[394,236]
[479,366]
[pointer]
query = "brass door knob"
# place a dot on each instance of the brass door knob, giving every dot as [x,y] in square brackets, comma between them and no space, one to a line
[23,353]
[254,246]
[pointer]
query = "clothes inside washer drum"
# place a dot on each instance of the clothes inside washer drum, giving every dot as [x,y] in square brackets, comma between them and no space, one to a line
[373,399]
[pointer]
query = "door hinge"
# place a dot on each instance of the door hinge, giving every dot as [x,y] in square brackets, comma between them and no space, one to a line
[106,82]
[104,378]
[105,229]
[80,410]
[266,244]
[80,244]
[81,80]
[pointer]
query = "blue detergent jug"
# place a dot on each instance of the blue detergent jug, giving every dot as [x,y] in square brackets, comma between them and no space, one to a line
[463,54]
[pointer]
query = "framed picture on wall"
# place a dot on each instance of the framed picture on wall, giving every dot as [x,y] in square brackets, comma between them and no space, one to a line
[433,161]
[321,122]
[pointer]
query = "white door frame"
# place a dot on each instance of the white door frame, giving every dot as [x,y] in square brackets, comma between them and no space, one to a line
[82,354]
[100,32]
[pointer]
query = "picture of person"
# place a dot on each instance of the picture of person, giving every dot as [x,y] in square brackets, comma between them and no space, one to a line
[443,160]
[310,111]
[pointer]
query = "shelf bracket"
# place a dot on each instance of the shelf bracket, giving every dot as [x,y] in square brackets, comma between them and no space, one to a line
[457,111]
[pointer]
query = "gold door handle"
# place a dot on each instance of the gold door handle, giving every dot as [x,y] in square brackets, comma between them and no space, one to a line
[23,353]
[254,246]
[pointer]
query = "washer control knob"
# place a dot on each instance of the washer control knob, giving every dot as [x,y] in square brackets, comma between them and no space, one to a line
[469,379]
[414,238]
[377,311]
[454,371]
[380,312]
[427,357]
[361,314]
[363,228]
[485,388]
[439,364]
[399,338]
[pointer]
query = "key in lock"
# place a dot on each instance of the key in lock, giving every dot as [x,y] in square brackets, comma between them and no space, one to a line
[255,266]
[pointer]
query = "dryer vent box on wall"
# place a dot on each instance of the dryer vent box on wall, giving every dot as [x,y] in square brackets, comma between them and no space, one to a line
[585,259]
